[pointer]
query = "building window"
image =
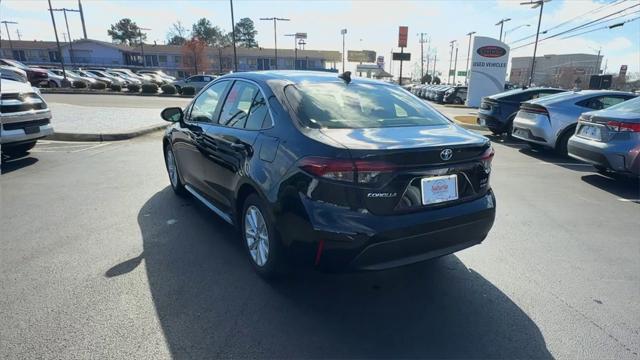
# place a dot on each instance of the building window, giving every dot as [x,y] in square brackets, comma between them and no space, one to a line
[19,55]
[54,56]
[252,62]
[177,59]
[162,59]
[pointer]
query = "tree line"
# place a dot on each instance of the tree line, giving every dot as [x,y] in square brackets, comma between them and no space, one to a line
[126,31]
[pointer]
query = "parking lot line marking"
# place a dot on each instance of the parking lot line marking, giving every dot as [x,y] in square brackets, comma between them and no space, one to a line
[92,147]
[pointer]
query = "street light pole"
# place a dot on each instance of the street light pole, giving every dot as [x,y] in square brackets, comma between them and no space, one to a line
[501,23]
[466,77]
[450,60]
[66,21]
[343,32]
[275,34]
[55,31]
[455,66]
[535,4]
[8,34]
[435,59]
[422,41]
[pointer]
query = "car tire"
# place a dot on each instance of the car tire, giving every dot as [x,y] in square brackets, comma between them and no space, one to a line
[178,89]
[264,248]
[563,142]
[172,170]
[457,101]
[18,150]
[508,129]
[53,84]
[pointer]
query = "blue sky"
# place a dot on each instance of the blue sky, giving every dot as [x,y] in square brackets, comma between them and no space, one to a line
[371,24]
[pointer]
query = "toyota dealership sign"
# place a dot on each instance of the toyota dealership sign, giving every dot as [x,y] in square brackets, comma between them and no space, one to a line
[488,69]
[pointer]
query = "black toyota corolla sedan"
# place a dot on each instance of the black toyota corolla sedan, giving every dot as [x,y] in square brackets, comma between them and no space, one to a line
[329,171]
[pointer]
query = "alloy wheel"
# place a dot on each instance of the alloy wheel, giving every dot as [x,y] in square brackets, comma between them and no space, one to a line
[256,235]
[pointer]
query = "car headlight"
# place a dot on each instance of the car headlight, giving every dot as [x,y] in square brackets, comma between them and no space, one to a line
[36,90]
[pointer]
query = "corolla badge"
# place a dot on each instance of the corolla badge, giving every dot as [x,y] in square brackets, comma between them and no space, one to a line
[446,154]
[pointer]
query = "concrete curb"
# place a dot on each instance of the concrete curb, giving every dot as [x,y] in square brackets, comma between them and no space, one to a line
[98,92]
[61,136]
[470,126]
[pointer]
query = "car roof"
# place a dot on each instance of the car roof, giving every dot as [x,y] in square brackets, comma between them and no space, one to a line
[574,96]
[297,77]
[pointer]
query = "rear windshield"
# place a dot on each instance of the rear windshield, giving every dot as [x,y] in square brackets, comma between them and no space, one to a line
[632,106]
[336,105]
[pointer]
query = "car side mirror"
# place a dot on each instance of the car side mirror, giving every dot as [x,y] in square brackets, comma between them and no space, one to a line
[172,114]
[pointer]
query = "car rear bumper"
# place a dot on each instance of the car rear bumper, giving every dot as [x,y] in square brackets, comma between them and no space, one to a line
[490,122]
[337,238]
[617,156]
[536,130]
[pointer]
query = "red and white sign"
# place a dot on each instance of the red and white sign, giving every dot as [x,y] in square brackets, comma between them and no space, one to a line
[403,34]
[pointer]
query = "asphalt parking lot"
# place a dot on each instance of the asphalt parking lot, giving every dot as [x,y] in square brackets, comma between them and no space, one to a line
[99,259]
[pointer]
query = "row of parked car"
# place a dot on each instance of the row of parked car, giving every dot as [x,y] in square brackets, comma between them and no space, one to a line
[54,77]
[442,94]
[601,127]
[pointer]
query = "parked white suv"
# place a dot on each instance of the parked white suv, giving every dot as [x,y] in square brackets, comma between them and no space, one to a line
[24,117]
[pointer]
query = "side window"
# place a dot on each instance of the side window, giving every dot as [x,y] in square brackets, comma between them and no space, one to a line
[600,102]
[195,79]
[238,104]
[258,114]
[204,107]
[206,78]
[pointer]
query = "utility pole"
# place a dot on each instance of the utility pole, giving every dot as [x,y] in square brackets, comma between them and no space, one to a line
[343,32]
[8,34]
[275,34]
[233,38]
[450,61]
[66,21]
[422,41]
[435,59]
[535,4]
[466,78]
[19,34]
[142,44]
[84,27]
[501,23]
[455,66]
[55,31]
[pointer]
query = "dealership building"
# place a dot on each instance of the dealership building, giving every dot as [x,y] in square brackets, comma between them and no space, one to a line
[556,70]
[170,58]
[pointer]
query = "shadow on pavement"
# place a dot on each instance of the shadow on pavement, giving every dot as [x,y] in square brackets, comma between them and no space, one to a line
[624,188]
[210,304]
[10,164]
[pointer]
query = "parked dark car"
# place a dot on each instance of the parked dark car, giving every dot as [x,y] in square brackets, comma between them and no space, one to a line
[36,76]
[455,95]
[438,94]
[498,111]
[331,172]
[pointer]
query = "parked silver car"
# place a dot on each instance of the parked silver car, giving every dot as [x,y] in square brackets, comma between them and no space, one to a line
[609,139]
[25,117]
[550,121]
[197,81]
[73,76]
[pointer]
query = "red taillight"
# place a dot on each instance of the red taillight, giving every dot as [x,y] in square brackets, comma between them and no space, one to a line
[364,171]
[535,109]
[623,126]
[486,159]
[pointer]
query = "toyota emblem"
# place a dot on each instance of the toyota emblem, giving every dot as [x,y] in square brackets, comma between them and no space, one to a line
[446,154]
